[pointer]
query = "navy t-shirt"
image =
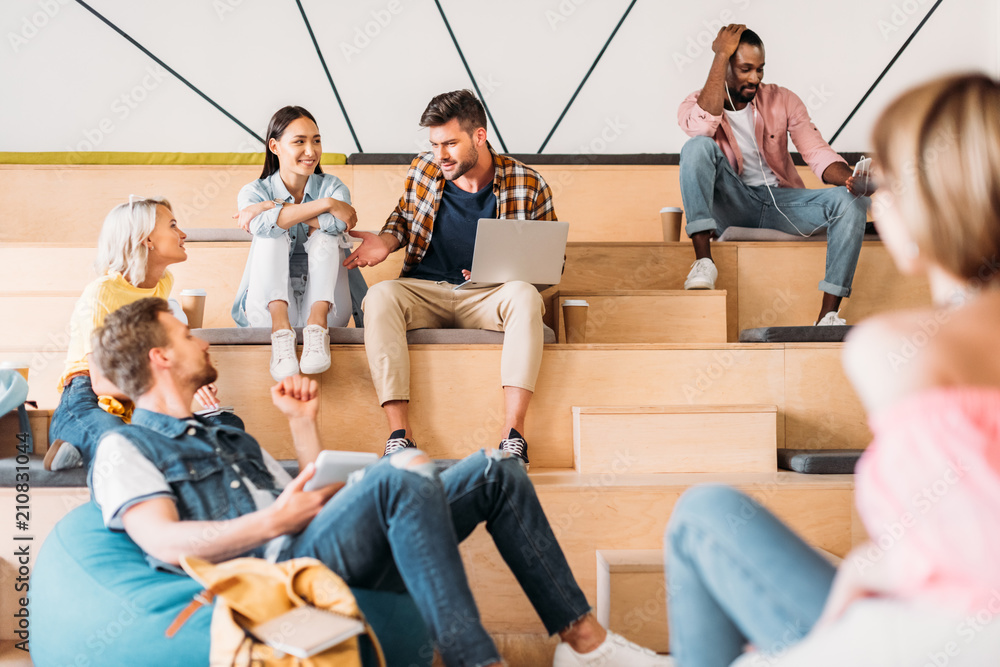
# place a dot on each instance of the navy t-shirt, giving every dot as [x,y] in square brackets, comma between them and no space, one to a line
[454,234]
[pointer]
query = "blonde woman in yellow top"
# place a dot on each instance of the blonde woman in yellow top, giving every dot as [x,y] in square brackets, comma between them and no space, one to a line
[138,241]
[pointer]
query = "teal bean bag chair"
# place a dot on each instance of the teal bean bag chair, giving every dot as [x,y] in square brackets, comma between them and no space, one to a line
[95,601]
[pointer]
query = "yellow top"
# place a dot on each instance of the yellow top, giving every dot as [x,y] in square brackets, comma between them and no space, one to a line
[104,295]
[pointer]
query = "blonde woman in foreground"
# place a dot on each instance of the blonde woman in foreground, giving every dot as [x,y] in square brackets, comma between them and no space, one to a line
[925,588]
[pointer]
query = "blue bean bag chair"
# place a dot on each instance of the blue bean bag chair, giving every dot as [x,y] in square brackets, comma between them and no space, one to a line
[95,601]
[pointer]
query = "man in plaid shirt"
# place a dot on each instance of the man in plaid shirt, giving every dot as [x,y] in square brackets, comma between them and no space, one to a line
[446,192]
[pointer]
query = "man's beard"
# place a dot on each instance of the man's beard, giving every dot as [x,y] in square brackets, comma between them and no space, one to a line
[465,165]
[206,375]
[741,97]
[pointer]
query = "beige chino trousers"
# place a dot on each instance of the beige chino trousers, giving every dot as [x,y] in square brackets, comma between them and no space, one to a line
[393,307]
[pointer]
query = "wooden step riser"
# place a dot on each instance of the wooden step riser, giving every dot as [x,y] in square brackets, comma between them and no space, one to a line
[766,284]
[205,196]
[43,309]
[674,316]
[586,520]
[634,605]
[817,409]
[675,440]
[38,421]
[632,595]
[597,514]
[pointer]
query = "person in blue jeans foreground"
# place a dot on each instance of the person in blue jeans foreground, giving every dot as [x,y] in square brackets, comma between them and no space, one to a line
[182,485]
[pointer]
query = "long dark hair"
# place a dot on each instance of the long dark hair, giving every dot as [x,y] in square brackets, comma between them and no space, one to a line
[279,122]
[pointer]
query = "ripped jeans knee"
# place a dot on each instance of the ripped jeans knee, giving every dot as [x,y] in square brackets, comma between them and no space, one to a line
[494,455]
[413,459]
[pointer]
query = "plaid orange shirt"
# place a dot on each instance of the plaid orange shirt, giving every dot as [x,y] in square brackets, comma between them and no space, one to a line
[521,194]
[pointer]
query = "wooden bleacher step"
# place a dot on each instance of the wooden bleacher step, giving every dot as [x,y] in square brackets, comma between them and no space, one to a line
[588,513]
[817,409]
[675,438]
[648,316]
[632,594]
[38,421]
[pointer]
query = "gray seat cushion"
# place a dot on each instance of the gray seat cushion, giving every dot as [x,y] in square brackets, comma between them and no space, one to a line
[819,461]
[39,476]
[731,234]
[825,334]
[210,234]
[352,336]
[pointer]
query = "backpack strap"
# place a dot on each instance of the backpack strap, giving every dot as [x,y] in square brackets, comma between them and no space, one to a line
[201,599]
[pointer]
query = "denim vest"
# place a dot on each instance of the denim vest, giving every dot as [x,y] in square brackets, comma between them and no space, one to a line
[204,461]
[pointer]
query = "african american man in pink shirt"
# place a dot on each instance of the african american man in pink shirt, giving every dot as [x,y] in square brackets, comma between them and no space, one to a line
[736,169]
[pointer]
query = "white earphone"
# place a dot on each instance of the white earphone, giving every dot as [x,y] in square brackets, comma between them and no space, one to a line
[760,162]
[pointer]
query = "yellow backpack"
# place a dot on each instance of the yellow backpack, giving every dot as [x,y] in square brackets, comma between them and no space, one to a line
[250,591]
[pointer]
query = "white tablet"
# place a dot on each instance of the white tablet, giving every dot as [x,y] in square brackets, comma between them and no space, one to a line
[333,467]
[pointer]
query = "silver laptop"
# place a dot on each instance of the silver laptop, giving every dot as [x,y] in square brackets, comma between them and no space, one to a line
[528,250]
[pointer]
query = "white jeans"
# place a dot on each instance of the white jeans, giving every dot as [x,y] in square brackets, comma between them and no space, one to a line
[270,280]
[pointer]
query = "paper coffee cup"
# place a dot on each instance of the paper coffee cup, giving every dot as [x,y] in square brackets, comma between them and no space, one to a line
[671,217]
[193,304]
[575,318]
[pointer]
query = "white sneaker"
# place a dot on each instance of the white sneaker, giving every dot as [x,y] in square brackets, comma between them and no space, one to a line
[832,318]
[702,276]
[315,349]
[62,456]
[615,651]
[283,362]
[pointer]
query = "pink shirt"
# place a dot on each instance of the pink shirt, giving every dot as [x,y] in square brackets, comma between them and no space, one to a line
[780,112]
[928,492]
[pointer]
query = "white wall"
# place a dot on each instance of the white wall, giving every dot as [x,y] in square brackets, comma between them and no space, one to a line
[69,82]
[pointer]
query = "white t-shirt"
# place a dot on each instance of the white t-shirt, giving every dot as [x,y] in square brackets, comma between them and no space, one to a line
[742,122]
[123,477]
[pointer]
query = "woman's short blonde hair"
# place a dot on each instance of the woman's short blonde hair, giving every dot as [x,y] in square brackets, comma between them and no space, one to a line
[938,147]
[120,246]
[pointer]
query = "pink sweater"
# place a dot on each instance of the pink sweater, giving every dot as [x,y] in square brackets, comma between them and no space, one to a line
[782,113]
[928,491]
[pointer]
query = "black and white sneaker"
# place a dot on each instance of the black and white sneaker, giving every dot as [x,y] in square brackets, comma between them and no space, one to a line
[515,444]
[397,441]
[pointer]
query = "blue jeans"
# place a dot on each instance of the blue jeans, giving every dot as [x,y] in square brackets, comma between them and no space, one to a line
[736,574]
[79,420]
[715,198]
[398,529]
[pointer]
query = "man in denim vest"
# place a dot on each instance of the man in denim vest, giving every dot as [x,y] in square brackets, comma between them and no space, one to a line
[181,485]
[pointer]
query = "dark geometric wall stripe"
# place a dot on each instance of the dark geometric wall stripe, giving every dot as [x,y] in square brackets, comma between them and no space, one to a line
[169,69]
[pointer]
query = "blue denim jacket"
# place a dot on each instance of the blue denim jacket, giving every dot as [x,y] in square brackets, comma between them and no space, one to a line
[204,465]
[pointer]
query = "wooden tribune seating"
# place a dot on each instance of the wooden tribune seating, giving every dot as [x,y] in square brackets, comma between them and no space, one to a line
[604,479]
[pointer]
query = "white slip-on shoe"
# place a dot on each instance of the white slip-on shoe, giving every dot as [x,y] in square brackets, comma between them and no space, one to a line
[832,319]
[315,349]
[702,276]
[61,456]
[283,362]
[615,651]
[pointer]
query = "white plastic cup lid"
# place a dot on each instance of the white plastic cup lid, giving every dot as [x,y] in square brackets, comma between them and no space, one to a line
[575,302]
[14,363]
[671,209]
[194,292]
